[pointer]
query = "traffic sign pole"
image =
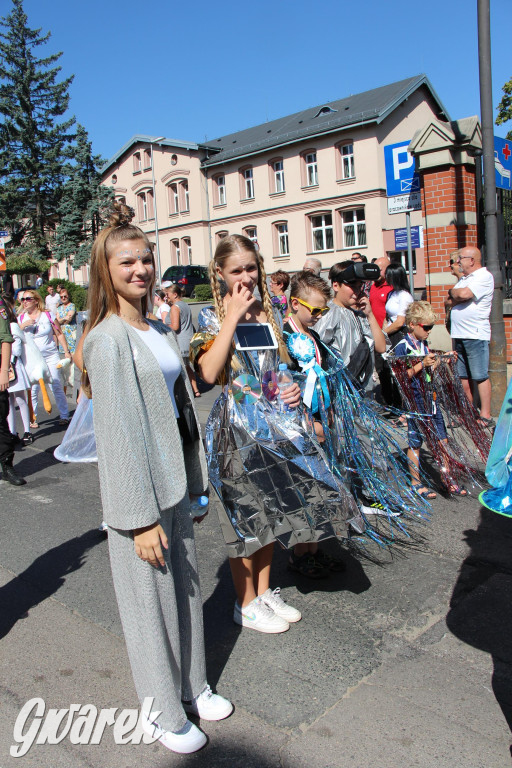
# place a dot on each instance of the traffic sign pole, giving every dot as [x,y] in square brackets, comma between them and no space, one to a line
[409,251]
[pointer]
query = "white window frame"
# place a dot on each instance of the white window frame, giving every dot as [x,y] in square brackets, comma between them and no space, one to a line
[188,245]
[143,207]
[175,245]
[347,161]
[186,198]
[175,197]
[248,184]
[221,189]
[322,228]
[358,239]
[254,236]
[311,169]
[283,243]
[278,167]
[137,162]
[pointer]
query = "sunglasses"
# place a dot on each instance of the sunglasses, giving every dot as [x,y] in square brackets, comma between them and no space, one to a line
[426,327]
[28,298]
[315,311]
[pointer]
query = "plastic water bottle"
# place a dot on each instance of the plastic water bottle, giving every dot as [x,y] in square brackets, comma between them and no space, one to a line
[284,381]
[199,506]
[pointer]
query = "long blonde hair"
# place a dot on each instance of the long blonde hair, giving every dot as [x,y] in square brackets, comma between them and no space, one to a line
[102,298]
[229,246]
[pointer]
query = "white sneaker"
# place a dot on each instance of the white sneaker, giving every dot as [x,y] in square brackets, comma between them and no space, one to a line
[278,605]
[209,706]
[188,739]
[260,617]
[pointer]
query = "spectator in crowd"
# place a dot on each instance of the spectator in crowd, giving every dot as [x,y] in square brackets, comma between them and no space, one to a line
[456,272]
[471,301]
[279,282]
[66,319]
[350,326]
[179,319]
[20,383]
[39,282]
[359,257]
[6,438]
[313,265]
[379,290]
[397,301]
[161,307]
[52,301]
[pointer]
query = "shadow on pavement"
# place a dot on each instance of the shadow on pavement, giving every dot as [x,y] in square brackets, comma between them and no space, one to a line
[480,612]
[43,578]
[34,462]
[221,633]
[228,755]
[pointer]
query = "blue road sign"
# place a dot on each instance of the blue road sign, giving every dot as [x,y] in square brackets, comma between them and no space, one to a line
[4,233]
[503,162]
[401,177]
[401,238]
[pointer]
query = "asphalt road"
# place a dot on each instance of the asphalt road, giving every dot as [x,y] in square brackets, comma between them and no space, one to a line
[374,675]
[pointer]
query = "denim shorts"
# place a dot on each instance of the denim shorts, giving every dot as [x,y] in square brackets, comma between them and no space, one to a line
[473,359]
[414,435]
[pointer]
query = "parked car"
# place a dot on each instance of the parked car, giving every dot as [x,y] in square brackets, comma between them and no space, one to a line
[187,276]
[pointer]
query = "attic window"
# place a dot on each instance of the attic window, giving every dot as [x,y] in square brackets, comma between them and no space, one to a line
[325,111]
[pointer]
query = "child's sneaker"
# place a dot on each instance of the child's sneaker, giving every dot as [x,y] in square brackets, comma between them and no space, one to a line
[260,617]
[209,706]
[280,608]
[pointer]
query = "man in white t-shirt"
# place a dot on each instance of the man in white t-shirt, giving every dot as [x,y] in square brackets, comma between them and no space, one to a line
[471,300]
[52,301]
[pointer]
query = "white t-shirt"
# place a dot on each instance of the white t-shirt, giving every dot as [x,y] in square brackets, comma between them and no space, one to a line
[397,304]
[470,319]
[51,304]
[162,308]
[42,333]
[167,359]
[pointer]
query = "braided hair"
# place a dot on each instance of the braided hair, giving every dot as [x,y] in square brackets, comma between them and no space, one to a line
[228,246]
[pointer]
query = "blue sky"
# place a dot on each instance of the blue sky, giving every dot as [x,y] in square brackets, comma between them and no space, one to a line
[198,70]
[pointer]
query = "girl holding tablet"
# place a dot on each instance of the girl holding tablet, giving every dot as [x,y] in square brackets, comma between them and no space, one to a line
[255,513]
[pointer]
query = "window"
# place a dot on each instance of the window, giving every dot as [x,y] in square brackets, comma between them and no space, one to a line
[174,198]
[175,253]
[187,250]
[251,233]
[278,168]
[281,239]
[145,206]
[220,235]
[311,169]
[220,190]
[137,164]
[147,159]
[322,233]
[347,161]
[354,228]
[185,197]
[247,191]
[401,257]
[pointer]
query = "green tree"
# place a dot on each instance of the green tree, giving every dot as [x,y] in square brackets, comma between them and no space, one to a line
[505,106]
[33,143]
[83,205]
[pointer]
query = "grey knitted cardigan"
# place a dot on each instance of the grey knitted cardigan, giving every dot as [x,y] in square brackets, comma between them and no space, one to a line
[143,467]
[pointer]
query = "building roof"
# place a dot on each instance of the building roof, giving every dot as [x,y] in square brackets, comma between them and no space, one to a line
[158,140]
[368,107]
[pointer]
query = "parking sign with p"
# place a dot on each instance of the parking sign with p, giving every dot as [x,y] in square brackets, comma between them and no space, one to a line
[401,176]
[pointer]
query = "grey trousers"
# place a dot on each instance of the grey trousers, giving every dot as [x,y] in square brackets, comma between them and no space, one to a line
[162,616]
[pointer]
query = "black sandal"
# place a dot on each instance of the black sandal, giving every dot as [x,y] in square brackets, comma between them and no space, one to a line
[306,565]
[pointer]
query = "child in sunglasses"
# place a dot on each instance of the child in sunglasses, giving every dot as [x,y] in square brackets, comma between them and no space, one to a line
[420,319]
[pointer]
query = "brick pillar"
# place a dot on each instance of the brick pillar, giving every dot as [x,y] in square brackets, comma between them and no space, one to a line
[447,170]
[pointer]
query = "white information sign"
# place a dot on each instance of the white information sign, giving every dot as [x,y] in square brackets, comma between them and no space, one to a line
[402,203]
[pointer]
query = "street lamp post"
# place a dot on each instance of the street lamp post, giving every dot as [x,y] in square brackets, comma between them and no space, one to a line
[498,344]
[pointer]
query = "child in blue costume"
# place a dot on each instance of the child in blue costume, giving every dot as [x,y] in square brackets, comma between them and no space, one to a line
[420,319]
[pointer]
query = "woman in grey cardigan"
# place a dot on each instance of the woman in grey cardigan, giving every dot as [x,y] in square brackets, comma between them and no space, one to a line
[149,464]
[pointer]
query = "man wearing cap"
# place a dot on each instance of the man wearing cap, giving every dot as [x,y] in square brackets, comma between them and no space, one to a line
[350,326]
[6,439]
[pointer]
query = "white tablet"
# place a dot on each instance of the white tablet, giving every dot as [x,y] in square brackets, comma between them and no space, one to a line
[255,336]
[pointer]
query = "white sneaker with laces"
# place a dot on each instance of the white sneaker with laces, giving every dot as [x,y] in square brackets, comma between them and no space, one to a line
[260,617]
[209,706]
[280,608]
[188,739]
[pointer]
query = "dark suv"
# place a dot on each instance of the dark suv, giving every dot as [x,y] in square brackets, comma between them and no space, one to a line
[187,277]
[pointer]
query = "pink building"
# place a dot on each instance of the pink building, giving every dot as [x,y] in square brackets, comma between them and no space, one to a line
[309,184]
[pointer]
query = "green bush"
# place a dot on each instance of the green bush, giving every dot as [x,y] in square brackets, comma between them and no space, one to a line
[203,292]
[77,293]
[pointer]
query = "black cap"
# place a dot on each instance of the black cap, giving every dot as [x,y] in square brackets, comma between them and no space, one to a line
[356,272]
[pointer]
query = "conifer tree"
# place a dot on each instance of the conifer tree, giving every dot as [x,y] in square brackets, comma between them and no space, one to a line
[82,209]
[32,140]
